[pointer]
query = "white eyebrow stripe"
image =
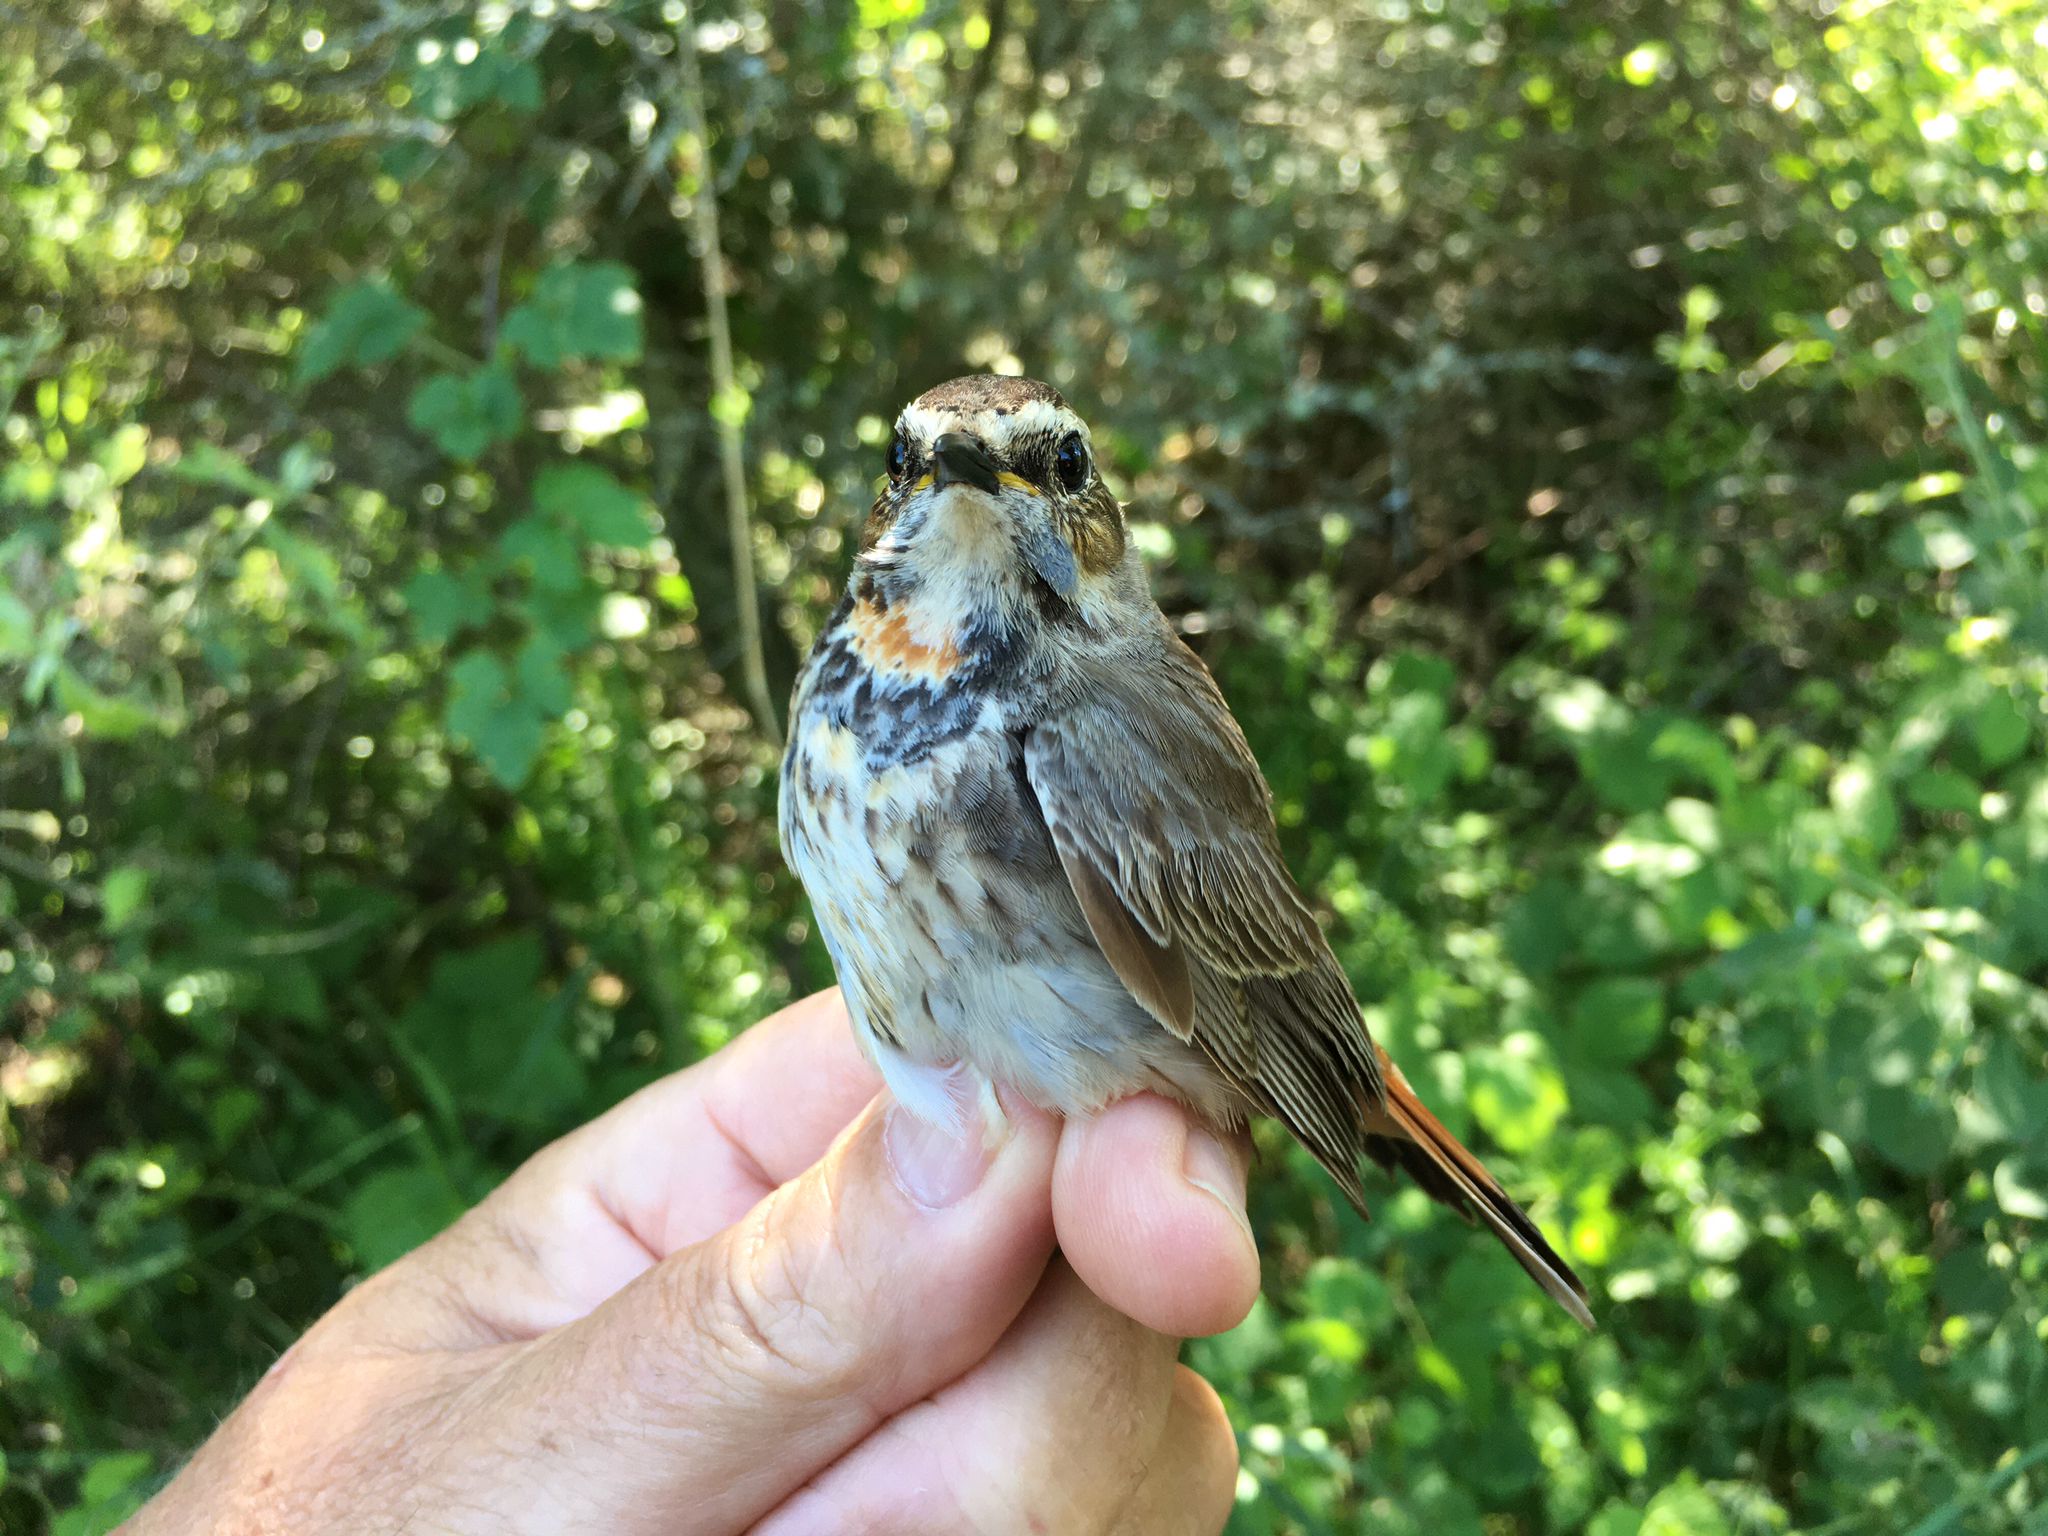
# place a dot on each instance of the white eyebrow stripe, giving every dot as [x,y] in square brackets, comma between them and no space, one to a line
[996,429]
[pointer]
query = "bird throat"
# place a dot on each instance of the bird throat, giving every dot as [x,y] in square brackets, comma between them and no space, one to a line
[882,636]
[904,685]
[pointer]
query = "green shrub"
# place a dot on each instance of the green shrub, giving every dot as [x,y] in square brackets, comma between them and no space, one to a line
[1598,448]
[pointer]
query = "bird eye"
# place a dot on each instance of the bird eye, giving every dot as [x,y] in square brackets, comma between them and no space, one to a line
[899,457]
[1070,463]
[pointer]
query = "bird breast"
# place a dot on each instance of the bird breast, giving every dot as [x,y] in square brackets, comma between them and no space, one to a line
[955,934]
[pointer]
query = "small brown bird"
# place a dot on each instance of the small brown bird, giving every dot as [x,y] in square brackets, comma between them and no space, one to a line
[1041,853]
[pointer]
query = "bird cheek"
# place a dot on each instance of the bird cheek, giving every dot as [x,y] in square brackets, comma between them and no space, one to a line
[1099,542]
[1049,555]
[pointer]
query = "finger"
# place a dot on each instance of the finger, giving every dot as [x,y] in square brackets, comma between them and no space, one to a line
[1061,1428]
[676,1162]
[1149,1207]
[685,1156]
[726,1376]
[784,1088]
[1190,1488]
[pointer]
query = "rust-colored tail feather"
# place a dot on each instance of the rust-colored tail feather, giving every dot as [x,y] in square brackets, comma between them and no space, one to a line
[1404,1133]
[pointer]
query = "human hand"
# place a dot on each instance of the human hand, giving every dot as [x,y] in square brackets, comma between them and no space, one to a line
[749,1298]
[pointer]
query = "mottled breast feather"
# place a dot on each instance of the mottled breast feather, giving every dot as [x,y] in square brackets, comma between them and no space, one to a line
[901,714]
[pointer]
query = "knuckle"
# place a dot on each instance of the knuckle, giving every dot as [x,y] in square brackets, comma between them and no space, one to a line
[762,1307]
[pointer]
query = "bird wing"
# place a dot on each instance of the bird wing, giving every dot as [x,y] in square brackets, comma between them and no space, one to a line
[1164,826]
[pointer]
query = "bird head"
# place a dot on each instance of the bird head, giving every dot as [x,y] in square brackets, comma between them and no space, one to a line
[994,507]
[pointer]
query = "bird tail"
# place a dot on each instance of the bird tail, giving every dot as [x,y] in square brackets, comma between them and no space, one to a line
[1402,1133]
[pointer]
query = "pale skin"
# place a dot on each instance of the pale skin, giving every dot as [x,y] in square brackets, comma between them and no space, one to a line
[759,1297]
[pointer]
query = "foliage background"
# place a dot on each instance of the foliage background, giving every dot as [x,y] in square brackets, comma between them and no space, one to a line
[1598,447]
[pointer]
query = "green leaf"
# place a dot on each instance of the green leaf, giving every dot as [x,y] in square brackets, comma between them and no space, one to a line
[1616,1520]
[122,895]
[230,1112]
[366,324]
[578,310]
[496,1037]
[503,711]
[731,406]
[1911,1130]
[123,454]
[540,678]
[209,464]
[1865,804]
[1933,542]
[300,470]
[1684,1509]
[111,1490]
[2021,1187]
[467,413]
[17,628]
[394,1210]
[484,710]
[2000,731]
[21,1352]
[476,71]
[1539,928]
[1515,1091]
[2015,1094]
[108,1477]
[443,604]
[589,500]
[1941,790]
[568,613]
[546,550]
[112,717]
[1618,1021]
[479,687]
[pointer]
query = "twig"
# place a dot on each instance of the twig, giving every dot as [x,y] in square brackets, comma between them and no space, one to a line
[725,389]
[1441,560]
[494,262]
[668,1021]
[263,145]
[998,18]
[77,894]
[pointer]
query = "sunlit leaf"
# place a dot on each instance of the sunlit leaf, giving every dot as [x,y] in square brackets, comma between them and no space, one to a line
[123,895]
[1618,1020]
[443,604]
[366,324]
[578,310]
[467,413]
[596,505]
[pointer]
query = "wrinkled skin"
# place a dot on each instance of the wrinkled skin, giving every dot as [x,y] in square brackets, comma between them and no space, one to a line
[757,1297]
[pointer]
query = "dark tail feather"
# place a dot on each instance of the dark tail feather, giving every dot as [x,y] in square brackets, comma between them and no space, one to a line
[1404,1133]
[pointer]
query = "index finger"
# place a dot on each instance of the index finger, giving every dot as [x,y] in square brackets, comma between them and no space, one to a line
[687,1156]
[680,1160]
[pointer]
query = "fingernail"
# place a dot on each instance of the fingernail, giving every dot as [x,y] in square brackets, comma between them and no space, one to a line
[938,1165]
[1217,1169]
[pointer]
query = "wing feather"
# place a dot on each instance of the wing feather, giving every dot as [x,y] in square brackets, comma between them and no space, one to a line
[1164,826]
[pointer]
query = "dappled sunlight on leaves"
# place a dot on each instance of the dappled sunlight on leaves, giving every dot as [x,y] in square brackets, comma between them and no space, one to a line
[1600,452]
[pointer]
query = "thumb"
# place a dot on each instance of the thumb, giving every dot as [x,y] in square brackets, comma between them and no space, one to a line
[725,1376]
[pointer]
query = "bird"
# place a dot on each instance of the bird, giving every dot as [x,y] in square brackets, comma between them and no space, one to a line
[1038,848]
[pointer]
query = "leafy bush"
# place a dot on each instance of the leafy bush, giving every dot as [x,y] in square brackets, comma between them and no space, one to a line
[1598,448]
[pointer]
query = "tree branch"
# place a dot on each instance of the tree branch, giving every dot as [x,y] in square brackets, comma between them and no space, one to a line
[998,17]
[726,399]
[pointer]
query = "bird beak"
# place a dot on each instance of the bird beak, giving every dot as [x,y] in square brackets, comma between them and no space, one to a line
[958,459]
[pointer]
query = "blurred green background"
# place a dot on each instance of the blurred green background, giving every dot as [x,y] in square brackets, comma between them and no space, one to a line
[1597,445]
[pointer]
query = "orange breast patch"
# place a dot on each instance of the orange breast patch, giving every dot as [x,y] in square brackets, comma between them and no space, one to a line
[884,641]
